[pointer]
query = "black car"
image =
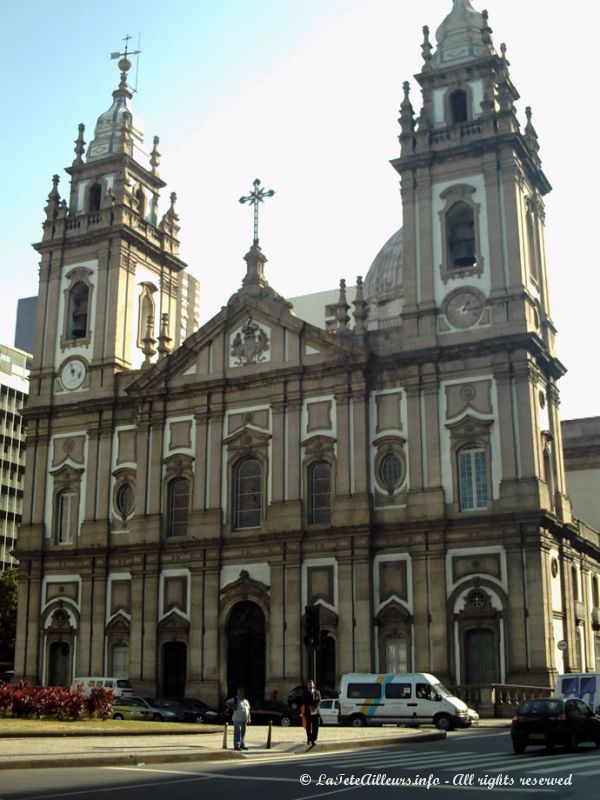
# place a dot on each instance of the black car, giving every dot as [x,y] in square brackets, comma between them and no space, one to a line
[552,721]
[264,711]
[195,710]
[296,694]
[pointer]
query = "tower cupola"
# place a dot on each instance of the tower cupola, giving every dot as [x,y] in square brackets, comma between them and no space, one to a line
[117,130]
[459,36]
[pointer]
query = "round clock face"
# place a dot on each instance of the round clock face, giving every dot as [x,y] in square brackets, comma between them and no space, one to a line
[464,307]
[73,373]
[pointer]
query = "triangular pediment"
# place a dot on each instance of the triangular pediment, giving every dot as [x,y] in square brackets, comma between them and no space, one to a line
[248,337]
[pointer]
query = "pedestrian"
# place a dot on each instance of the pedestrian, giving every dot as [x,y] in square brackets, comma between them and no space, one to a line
[310,711]
[240,717]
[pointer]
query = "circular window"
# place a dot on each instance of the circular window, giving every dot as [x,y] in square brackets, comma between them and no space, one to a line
[390,471]
[542,399]
[477,599]
[124,500]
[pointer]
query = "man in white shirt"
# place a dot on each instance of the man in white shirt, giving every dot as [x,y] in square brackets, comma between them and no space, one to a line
[240,718]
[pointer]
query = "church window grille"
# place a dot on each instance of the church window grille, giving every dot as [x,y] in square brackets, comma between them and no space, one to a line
[247,501]
[319,480]
[94,198]
[473,479]
[178,507]
[124,500]
[77,314]
[390,472]
[66,517]
[458,107]
[460,228]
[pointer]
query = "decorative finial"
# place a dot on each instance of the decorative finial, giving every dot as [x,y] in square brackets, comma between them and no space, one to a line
[486,31]
[79,146]
[503,51]
[155,156]
[426,48]
[164,340]
[361,309]
[256,196]
[341,312]
[53,199]
[124,65]
[149,341]
[530,131]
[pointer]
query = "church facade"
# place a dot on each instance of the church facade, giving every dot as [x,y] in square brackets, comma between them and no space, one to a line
[188,496]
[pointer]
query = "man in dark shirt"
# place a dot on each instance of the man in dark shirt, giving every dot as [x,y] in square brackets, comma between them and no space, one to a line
[310,712]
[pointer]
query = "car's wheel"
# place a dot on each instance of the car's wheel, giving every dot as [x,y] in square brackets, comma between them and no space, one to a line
[443,722]
[358,721]
[285,722]
[118,716]
[519,747]
[157,717]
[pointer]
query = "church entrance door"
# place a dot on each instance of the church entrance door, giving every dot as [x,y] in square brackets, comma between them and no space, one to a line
[58,664]
[174,669]
[246,650]
[480,656]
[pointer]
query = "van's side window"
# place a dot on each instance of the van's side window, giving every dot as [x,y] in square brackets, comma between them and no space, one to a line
[397,691]
[360,690]
[425,692]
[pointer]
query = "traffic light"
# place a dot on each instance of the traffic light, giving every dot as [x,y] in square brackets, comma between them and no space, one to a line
[313,626]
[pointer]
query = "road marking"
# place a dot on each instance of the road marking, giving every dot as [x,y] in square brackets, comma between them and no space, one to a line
[204,775]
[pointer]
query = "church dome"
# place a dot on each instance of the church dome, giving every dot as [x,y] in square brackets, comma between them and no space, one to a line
[117,130]
[459,36]
[384,278]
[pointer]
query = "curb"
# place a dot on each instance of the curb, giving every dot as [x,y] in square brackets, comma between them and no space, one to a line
[206,755]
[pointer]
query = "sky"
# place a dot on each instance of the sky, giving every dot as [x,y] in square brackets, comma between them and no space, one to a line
[304,95]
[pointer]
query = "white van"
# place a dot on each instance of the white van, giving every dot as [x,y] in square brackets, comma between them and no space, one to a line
[119,686]
[412,698]
[584,685]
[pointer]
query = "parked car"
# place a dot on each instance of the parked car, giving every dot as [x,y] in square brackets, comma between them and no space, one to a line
[329,712]
[130,708]
[158,714]
[295,696]
[553,721]
[473,716]
[190,710]
[7,676]
[264,711]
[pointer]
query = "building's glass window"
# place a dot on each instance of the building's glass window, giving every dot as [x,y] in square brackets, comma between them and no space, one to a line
[247,494]
[178,507]
[77,312]
[472,478]
[66,517]
[460,228]
[319,483]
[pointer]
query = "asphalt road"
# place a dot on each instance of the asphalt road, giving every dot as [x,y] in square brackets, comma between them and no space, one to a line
[473,764]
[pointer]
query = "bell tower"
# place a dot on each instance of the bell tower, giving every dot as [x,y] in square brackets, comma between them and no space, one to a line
[472,186]
[111,278]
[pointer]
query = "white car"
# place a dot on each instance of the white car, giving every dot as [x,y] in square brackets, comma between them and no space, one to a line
[473,716]
[329,711]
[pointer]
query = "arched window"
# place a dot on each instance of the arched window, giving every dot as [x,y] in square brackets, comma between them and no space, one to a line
[472,478]
[178,507]
[460,231]
[124,502]
[140,199]
[65,521]
[595,594]
[247,494]
[94,198]
[319,487]
[458,106]
[532,245]
[575,585]
[77,311]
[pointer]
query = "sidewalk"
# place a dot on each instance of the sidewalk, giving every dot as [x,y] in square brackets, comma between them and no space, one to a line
[205,745]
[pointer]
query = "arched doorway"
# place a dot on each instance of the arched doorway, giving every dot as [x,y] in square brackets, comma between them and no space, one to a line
[246,650]
[58,664]
[174,662]
[480,656]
